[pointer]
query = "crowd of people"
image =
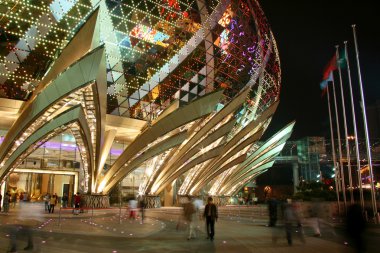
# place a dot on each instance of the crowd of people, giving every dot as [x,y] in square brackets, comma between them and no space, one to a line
[52,200]
[192,212]
[10,200]
[293,221]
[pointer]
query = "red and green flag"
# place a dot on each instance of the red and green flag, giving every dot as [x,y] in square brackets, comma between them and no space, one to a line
[331,66]
[334,64]
[325,82]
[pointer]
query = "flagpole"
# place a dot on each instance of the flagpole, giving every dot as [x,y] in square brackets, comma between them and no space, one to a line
[355,128]
[339,149]
[348,158]
[336,170]
[373,195]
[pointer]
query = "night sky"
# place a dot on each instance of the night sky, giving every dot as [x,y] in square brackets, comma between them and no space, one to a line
[306,33]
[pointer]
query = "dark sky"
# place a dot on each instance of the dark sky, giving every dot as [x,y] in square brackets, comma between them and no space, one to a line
[306,33]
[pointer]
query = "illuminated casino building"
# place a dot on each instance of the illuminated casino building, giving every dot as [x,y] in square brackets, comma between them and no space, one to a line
[168,97]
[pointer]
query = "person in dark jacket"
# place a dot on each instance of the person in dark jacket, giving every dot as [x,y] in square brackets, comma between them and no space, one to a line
[65,200]
[272,208]
[211,215]
[77,202]
[355,227]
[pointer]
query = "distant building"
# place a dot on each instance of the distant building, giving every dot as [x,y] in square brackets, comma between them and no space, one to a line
[309,152]
[310,160]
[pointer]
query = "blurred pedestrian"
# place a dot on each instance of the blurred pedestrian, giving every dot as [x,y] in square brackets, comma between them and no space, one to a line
[22,228]
[291,218]
[316,215]
[6,200]
[82,204]
[20,231]
[142,209]
[211,216]
[65,200]
[77,201]
[272,208]
[132,208]
[47,201]
[26,197]
[189,213]
[53,202]
[14,199]
[355,227]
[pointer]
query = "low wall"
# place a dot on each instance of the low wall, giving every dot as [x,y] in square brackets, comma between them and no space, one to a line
[323,209]
[152,201]
[95,201]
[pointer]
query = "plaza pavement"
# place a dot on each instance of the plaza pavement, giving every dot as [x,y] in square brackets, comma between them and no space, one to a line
[110,230]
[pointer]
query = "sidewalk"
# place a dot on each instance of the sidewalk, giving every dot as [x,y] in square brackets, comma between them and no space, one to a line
[103,232]
[105,222]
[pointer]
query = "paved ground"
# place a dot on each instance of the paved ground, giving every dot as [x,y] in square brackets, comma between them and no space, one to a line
[108,231]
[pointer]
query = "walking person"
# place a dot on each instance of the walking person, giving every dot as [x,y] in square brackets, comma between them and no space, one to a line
[356,228]
[47,201]
[142,209]
[82,204]
[211,216]
[17,231]
[272,208]
[25,197]
[65,199]
[291,218]
[77,200]
[14,199]
[316,214]
[189,215]
[132,209]
[53,202]
[6,200]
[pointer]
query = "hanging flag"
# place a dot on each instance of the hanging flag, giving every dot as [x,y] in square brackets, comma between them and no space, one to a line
[342,62]
[325,82]
[328,74]
[331,66]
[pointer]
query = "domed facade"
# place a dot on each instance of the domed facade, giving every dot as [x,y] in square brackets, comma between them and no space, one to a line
[157,51]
